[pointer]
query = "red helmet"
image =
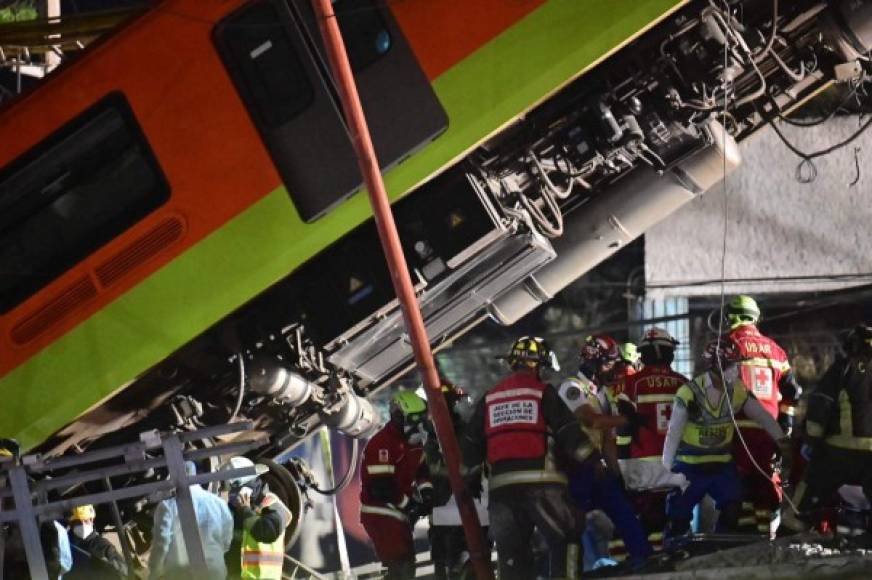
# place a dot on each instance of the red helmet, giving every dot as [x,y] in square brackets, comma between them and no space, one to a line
[601,348]
[722,349]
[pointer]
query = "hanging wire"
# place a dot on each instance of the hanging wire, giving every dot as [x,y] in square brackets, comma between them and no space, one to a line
[726,393]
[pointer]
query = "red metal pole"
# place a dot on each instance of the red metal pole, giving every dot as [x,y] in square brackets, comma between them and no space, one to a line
[390,241]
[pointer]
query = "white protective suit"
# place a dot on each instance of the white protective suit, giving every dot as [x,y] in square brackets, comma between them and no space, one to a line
[168,558]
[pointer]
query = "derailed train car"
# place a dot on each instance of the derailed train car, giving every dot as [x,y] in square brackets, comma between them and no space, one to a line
[183,245]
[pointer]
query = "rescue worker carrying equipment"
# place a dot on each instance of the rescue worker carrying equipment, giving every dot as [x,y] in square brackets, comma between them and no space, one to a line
[601,363]
[700,435]
[94,557]
[838,429]
[168,558]
[395,488]
[599,486]
[448,549]
[646,398]
[259,523]
[518,427]
[765,371]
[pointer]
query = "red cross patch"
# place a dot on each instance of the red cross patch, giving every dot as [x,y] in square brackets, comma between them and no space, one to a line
[664,413]
[761,383]
[383,456]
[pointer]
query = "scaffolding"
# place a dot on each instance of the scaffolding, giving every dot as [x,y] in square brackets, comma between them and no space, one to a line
[154,450]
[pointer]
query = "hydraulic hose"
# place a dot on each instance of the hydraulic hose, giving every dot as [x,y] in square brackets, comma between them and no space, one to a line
[349,473]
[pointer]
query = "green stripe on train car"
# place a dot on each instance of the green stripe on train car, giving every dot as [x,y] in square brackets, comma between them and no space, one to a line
[267,241]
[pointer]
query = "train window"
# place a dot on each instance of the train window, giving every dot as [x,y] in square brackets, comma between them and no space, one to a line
[365,32]
[268,65]
[273,52]
[79,188]
[290,104]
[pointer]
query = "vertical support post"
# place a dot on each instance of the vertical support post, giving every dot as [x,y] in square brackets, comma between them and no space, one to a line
[27,523]
[119,526]
[327,458]
[184,502]
[390,240]
[52,10]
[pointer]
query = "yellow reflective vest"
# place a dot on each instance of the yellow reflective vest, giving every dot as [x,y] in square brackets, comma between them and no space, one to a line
[708,434]
[263,561]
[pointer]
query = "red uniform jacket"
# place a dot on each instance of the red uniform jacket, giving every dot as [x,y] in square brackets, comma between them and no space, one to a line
[652,391]
[389,455]
[764,364]
[514,421]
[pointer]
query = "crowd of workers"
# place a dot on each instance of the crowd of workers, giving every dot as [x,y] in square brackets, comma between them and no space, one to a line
[633,441]
[242,536]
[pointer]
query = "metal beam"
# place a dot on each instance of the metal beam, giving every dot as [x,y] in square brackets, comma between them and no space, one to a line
[390,240]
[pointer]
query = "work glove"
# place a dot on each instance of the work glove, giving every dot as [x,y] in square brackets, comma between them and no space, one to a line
[635,419]
[428,499]
[414,510]
[785,421]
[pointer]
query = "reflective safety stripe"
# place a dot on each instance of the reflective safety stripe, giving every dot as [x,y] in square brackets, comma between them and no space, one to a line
[748,521]
[261,557]
[260,560]
[766,362]
[846,423]
[525,477]
[380,469]
[383,511]
[747,424]
[624,439]
[522,392]
[656,398]
[849,442]
[695,459]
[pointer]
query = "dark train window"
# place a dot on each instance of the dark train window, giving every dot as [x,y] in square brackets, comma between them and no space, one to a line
[267,64]
[366,36]
[365,33]
[73,192]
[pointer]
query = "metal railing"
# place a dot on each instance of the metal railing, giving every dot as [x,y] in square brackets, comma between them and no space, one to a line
[154,450]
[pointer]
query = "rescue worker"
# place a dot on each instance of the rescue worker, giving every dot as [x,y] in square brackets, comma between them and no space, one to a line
[168,558]
[838,431]
[259,523]
[699,440]
[518,428]
[395,488]
[448,549]
[765,371]
[648,395]
[629,363]
[94,556]
[627,366]
[599,486]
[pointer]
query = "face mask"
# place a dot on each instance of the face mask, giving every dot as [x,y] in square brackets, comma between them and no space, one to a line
[82,531]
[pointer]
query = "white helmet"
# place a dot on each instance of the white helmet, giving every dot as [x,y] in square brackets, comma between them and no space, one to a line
[659,336]
[240,462]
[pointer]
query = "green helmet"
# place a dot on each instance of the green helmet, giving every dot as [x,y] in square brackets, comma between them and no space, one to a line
[629,352]
[742,310]
[408,403]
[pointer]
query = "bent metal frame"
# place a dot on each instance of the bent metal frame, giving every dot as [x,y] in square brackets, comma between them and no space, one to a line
[129,459]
